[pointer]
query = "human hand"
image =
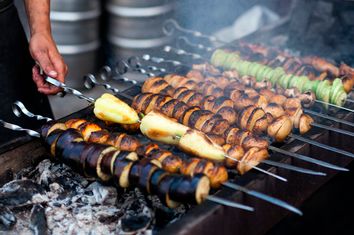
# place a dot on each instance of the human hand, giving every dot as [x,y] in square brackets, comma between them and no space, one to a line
[44,51]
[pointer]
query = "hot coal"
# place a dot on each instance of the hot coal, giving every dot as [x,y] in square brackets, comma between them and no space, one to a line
[53,199]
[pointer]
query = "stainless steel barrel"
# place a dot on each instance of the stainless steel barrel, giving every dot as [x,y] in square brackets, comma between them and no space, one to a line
[75,28]
[135,26]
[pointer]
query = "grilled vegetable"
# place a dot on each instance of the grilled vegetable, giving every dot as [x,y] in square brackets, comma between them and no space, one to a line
[323,89]
[198,144]
[217,174]
[191,190]
[161,128]
[170,132]
[110,108]
[106,162]
[94,133]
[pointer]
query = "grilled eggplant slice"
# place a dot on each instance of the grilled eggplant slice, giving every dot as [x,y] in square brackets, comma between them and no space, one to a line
[51,141]
[121,170]
[50,127]
[93,162]
[66,140]
[71,156]
[145,176]
[163,190]
[192,190]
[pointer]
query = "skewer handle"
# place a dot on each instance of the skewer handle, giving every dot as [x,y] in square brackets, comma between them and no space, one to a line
[159,60]
[194,56]
[171,25]
[19,108]
[69,89]
[185,40]
[14,127]
[90,82]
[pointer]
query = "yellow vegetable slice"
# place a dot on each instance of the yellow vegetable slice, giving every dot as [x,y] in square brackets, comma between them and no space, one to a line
[110,108]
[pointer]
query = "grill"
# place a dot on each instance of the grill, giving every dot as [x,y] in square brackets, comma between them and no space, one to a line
[211,218]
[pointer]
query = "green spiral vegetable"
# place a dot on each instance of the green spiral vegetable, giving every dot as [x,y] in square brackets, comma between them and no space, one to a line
[331,93]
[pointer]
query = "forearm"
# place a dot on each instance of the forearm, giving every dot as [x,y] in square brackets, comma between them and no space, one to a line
[42,46]
[38,16]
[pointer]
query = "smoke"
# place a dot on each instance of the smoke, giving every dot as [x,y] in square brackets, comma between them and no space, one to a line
[209,16]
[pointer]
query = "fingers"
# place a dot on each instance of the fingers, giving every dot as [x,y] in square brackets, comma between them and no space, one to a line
[42,85]
[43,59]
[44,51]
[60,67]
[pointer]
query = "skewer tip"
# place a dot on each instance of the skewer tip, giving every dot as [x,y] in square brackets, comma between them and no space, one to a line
[225,202]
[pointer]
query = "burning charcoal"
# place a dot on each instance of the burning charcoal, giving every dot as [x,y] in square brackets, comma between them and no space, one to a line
[38,220]
[7,218]
[19,192]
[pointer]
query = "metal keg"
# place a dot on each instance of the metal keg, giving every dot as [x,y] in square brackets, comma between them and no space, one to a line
[135,26]
[75,28]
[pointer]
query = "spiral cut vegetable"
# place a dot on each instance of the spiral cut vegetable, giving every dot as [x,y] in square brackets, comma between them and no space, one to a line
[331,93]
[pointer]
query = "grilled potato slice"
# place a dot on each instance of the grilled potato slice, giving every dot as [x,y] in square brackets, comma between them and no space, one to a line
[110,108]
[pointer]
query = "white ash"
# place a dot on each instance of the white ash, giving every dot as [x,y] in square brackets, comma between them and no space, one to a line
[75,205]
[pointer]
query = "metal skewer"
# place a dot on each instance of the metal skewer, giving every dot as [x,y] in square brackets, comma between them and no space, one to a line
[344,132]
[307,159]
[349,100]
[229,203]
[178,51]
[289,167]
[171,25]
[183,39]
[80,95]
[313,124]
[328,117]
[69,89]
[19,108]
[334,105]
[319,144]
[14,127]
[262,196]
[147,57]
[212,198]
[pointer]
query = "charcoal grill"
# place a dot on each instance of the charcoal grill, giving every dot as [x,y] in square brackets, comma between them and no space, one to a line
[210,218]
